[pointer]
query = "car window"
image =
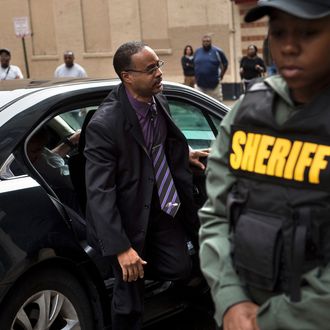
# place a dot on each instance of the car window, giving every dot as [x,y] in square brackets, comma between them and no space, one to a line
[193,124]
[6,171]
[216,121]
[76,117]
[49,150]
[58,128]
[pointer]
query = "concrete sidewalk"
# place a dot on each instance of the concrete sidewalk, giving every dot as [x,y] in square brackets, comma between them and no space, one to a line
[229,103]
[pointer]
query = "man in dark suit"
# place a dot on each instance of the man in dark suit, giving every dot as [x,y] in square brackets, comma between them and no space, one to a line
[140,209]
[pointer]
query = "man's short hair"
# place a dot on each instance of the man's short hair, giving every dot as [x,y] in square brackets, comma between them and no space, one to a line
[40,137]
[68,52]
[207,36]
[122,58]
[5,50]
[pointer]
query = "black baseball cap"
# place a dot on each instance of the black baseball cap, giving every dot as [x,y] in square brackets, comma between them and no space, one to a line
[306,9]
[5,50]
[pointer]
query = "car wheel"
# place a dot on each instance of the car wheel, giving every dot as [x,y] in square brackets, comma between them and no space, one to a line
[49,299]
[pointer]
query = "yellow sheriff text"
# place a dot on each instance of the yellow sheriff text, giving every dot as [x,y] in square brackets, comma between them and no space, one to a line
[279,157]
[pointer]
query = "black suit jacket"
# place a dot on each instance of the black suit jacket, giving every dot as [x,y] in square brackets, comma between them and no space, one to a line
[120,179]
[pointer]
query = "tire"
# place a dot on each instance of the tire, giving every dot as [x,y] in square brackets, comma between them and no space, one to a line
[50,299]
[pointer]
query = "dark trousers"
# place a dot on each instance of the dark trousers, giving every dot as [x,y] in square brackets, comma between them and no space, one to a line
[167,256]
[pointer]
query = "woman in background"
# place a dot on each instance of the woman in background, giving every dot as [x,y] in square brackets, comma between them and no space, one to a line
[252,66]
[187,62]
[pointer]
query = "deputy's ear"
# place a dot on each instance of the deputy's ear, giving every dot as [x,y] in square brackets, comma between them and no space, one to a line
[126,77]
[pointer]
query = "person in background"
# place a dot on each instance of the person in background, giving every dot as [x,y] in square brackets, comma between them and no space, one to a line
[69,68]
[52,166]
[187,62]
[265,228]
[251,66]
[7,70]
[210,66]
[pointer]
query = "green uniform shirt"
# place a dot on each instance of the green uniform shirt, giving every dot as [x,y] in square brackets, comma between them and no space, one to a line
[276,312]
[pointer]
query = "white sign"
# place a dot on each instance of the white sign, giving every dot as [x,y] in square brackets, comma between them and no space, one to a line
[21,25]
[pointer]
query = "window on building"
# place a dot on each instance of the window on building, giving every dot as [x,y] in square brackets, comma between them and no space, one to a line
[95,15]
[43,27]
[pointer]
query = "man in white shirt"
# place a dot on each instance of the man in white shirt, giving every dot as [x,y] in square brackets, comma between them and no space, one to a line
[8,71]
[69,68]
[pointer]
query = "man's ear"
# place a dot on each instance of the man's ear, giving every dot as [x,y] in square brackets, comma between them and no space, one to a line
[126,77]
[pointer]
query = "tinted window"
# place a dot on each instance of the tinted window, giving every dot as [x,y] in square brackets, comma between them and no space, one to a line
[193,123]
[75,118]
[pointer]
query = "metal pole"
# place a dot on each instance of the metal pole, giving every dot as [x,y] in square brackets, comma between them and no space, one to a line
[25,59]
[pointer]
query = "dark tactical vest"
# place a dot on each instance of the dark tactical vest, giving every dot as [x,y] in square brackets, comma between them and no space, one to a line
[280,206]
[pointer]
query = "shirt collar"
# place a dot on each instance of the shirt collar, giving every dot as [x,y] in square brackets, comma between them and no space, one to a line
[141,108]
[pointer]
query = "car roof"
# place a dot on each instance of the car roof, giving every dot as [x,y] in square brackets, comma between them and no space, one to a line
[11,90]
[24,103]
[18,95]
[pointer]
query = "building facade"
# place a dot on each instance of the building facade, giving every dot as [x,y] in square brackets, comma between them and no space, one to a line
[93,29]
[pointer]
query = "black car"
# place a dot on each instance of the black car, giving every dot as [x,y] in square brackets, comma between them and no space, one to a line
[49,277]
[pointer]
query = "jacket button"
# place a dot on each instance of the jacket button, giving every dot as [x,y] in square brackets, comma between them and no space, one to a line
[146,206]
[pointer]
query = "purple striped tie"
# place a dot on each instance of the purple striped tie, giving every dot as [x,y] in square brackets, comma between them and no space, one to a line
[168,196]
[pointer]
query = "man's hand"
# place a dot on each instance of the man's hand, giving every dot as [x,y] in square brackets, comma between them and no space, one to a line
[74,138]
[131,265]
[65,147]
[194,156]
[242,316]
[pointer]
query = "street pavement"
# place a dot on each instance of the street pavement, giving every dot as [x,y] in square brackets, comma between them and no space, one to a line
[229,103]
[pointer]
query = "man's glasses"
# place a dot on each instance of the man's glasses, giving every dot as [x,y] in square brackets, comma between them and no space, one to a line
[149,71]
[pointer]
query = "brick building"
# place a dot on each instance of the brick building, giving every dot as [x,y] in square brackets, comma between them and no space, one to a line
[93,29]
